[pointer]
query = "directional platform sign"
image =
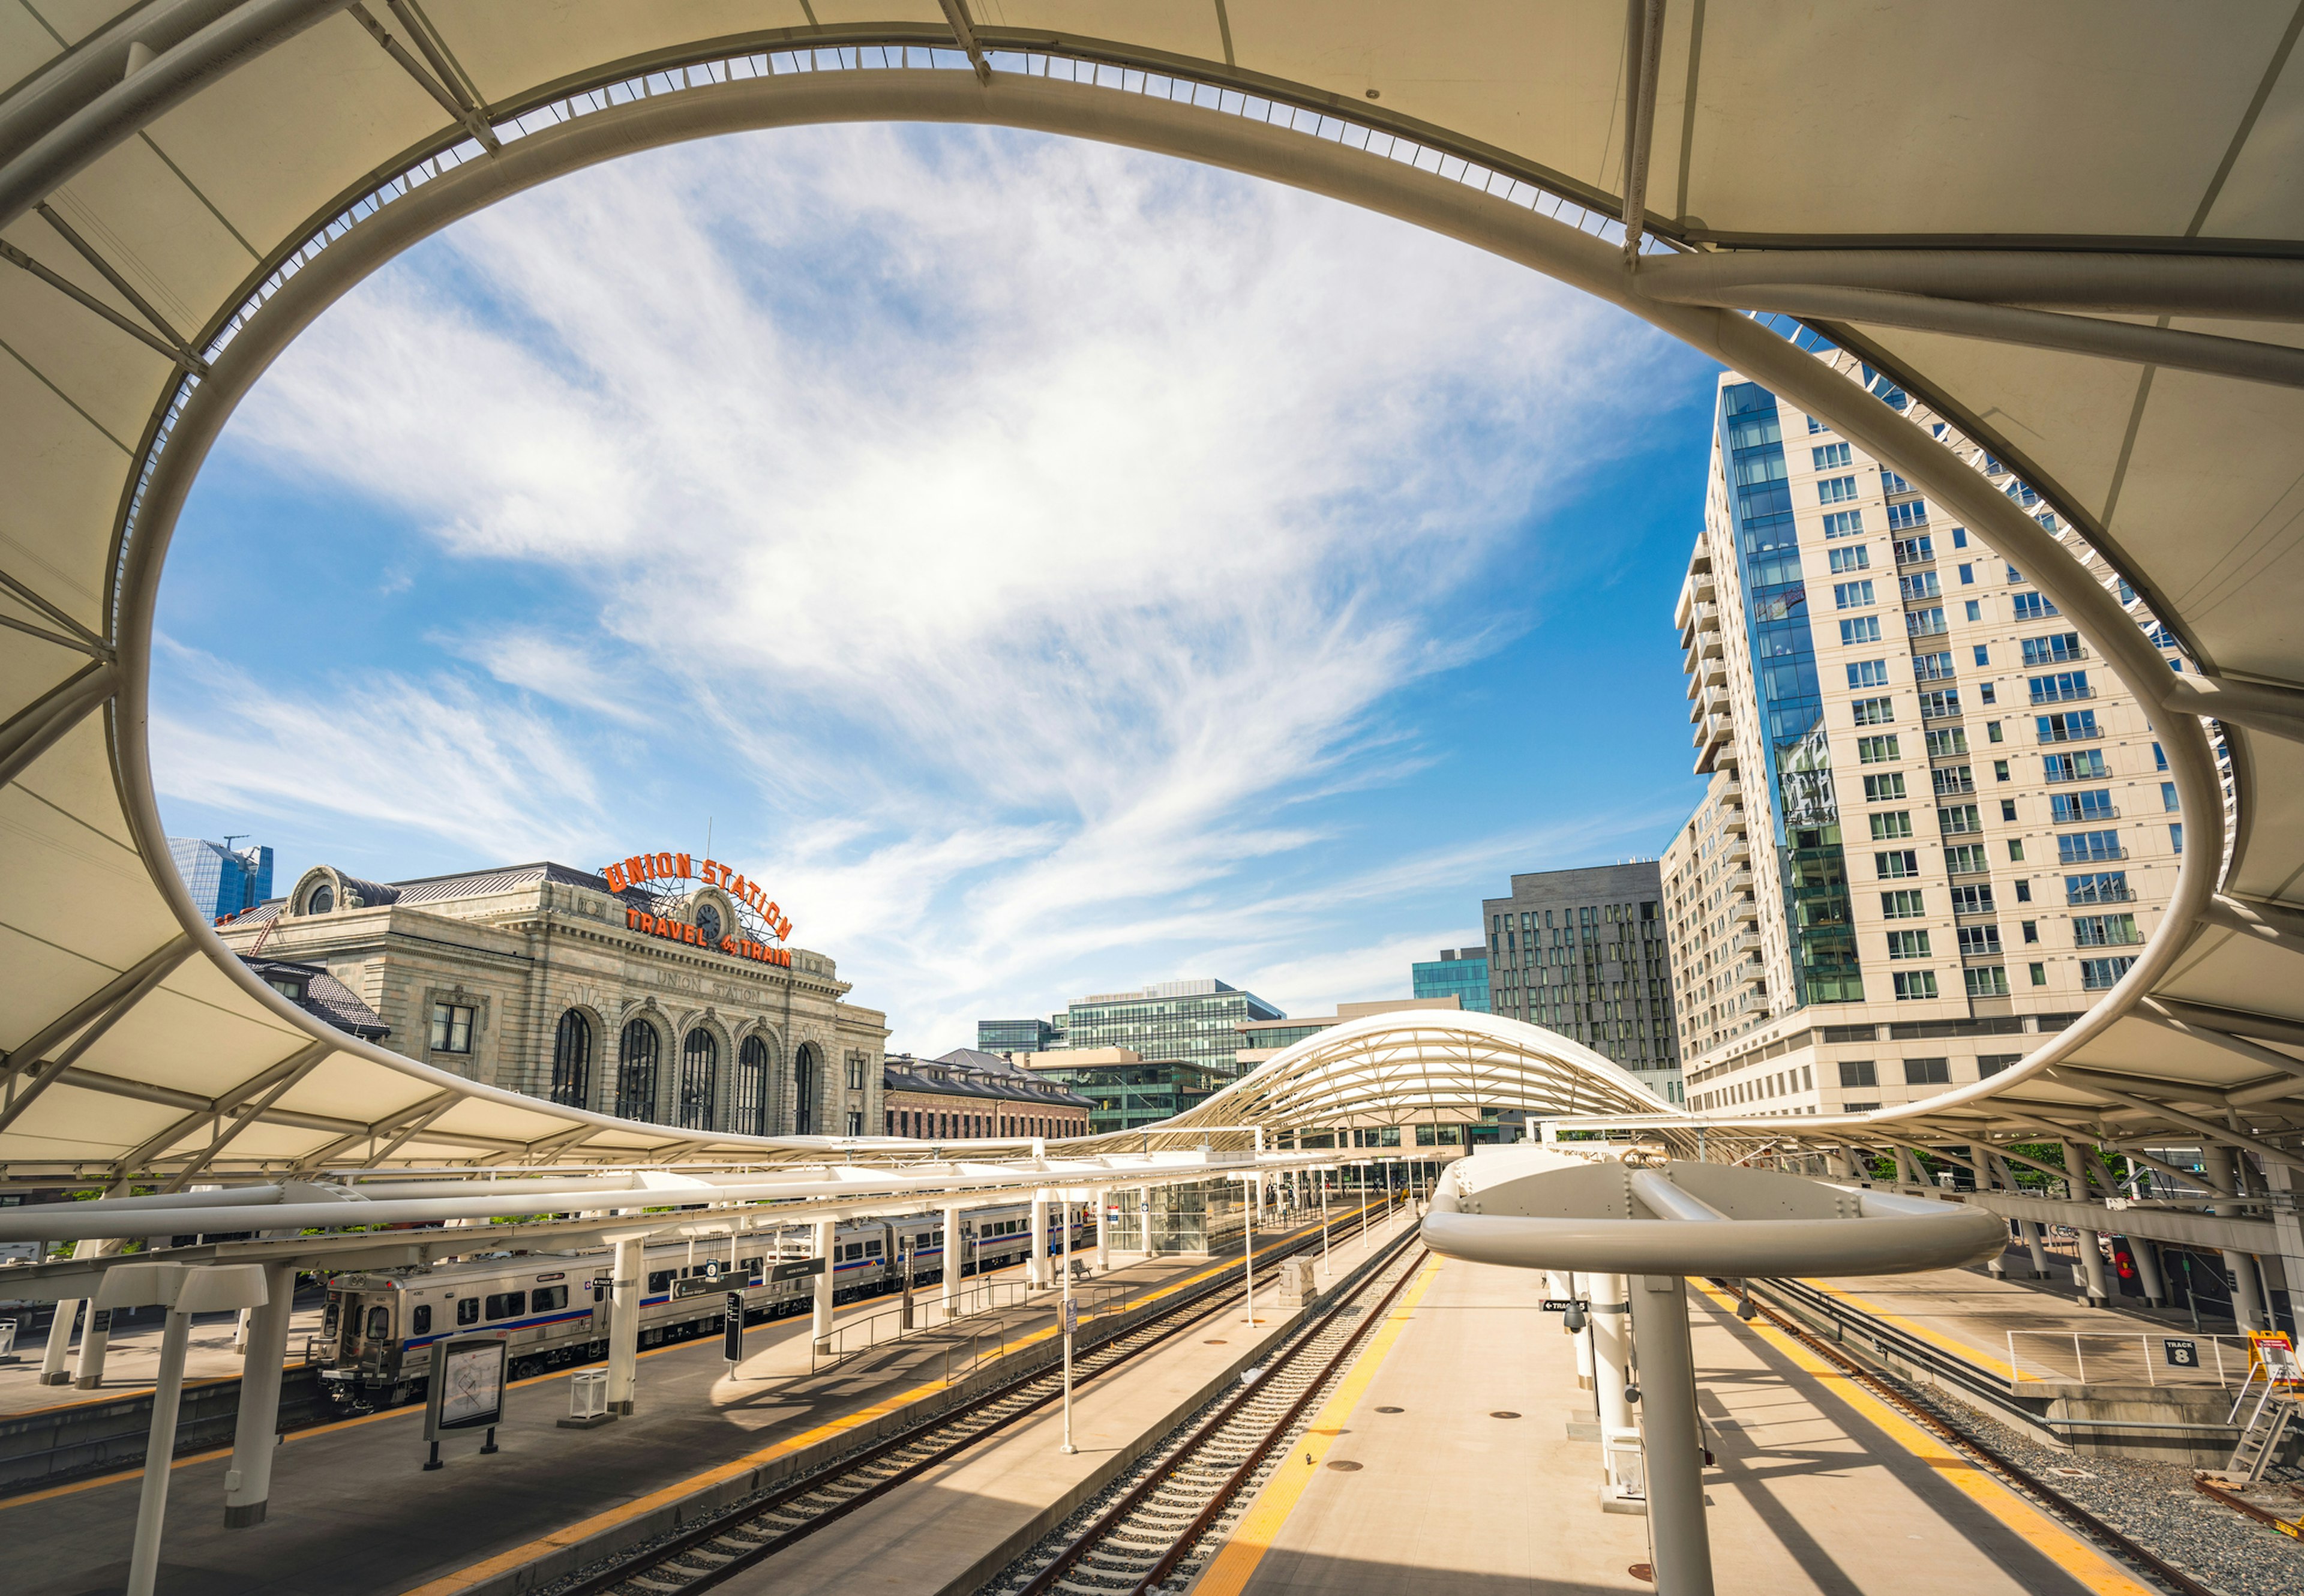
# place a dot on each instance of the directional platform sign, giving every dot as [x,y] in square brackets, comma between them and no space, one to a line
[1562,1304]
[794,1271]
[2181,1354]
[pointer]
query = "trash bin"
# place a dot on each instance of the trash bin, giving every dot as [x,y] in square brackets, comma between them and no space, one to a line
[587,1400]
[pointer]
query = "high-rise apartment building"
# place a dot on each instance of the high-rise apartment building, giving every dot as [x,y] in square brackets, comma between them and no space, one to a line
[1018,1036]
[1192,1022]
[1459,973]
[223,880]
[1583,952]
[1936,826]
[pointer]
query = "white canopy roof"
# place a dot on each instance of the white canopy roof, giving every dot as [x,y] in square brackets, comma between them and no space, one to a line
[2073,232]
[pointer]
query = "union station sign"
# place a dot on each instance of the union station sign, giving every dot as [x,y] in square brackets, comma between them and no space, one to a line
[642,868]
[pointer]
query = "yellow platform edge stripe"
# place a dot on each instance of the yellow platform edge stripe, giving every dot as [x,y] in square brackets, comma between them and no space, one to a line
[1236,1561]
[1961,1349]
[2076,1558]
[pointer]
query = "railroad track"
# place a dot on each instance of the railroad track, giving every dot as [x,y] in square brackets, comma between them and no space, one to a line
[2013,1473]
[1149,1536]
[750,1532]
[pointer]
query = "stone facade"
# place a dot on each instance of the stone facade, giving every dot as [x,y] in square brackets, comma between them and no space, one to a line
[536,979]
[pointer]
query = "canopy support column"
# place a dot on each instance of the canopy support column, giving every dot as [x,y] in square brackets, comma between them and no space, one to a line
[1677,1532]
[256,1433]
[626,1278]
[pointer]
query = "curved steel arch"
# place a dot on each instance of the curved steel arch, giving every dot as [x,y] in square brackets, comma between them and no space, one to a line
[294,1095]
[1416,1067]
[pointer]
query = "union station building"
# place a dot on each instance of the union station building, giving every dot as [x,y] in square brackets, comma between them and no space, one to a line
[669,996]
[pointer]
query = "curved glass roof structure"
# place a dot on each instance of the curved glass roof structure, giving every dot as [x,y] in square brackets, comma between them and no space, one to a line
[1415,1067]
[2076,235]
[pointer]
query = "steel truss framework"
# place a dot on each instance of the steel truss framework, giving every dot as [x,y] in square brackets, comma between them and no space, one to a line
[2100,288]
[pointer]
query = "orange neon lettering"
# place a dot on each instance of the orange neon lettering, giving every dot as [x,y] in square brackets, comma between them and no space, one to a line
[615,874]
[711,873]
[682,860]
[660,865]
[640,867]
[648,921]
[738,888]
[783,930]
[631,919]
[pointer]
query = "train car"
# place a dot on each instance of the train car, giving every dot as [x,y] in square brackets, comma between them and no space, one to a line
[552,1308]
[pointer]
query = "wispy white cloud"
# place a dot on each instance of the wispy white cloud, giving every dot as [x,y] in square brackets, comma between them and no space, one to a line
[432,757]
[1024,540]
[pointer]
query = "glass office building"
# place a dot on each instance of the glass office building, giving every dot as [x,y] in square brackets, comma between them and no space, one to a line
[1192,1022]
[1017,1036]
[1459,973]
[1129,1091]
[223,880]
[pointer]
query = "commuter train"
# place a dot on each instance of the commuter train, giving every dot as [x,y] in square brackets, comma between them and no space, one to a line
[552,1308]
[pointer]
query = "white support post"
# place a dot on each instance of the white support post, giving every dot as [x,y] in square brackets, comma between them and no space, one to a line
[60,1335]
[820,1315]
[88,1367]
[1325,1267]
[626,1278]
[1677,1530]
[1103,1199]
[1064,1320]
[1248,1302]
[1036,1267]
[1612,1374]
[2248,1301]
[256,1431]
[952,1257]
[183,1292]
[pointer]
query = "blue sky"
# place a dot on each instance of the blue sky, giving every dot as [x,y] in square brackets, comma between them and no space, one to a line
[1049,568]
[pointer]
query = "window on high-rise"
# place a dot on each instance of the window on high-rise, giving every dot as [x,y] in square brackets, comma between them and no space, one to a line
[1859,629]
[1881,789]
[1898,865]
[1873,711]
[1857,558]
[1844,523]
[1911,984]
[1835,490]
[1891,823]
[1875,751]
[1902,905]
[1852,595]
[1868,673]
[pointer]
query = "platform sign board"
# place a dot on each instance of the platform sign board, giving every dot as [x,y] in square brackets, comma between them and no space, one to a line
[2181,1354]
[2272,1352]
[731,1328]
[695,1285]
[794,1271]
[466,1390]
[1562,1304]
[1072,1316]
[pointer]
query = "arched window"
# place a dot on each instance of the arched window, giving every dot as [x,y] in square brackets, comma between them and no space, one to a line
[571,1060]
[636,1072]
[322,901]
[752,1088]
[804,1090]
[700,1072]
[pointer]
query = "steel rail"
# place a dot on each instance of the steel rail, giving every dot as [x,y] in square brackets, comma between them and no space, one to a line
[1121,1511]
[1180,1316]
[2032,1485]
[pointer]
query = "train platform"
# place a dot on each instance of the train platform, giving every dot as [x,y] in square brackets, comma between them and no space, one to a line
[1445,1465]
[2010,1334]
[131,1359]
[352,1494]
